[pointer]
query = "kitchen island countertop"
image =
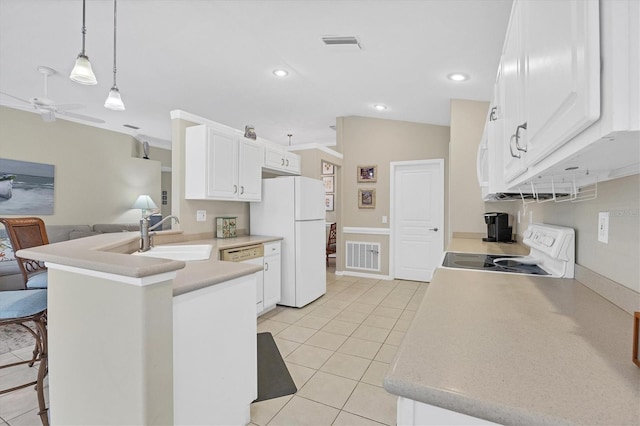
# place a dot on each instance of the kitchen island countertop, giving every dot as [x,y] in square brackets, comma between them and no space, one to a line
[518,349]
[110,253]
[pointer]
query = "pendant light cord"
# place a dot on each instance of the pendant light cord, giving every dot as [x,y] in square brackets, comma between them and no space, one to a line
[115,2]
[84,27]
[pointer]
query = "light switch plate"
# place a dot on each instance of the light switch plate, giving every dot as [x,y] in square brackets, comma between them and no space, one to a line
[603,227]
[384,219]
[201,215]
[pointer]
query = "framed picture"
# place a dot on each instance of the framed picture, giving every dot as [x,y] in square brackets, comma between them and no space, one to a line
[328,183]
[367,173]
[328,202]
[327,168]
[367,198]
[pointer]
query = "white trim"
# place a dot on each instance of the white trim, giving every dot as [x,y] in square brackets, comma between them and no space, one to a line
[140,282]
[368,231]
[317,146]
[363,275]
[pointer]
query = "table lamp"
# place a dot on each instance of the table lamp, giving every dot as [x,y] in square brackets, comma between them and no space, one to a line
[144,203]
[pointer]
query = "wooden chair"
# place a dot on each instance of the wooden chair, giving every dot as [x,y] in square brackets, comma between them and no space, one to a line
[26,232]
[331,241]
[21,307]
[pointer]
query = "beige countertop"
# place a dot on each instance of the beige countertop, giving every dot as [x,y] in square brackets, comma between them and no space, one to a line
[518,349]
[110,253]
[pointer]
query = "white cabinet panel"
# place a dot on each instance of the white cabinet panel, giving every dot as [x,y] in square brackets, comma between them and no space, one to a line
[220,166]
[280,160]
[562,90]
[272,274]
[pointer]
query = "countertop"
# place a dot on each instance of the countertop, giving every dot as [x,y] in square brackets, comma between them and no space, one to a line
[518,349]
[110,253]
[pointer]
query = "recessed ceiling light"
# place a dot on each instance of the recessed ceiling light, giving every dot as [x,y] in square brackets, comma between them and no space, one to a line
[380,107]
[458,76]
[280,73]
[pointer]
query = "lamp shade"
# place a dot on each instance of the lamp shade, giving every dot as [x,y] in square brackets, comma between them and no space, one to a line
[82,72]
[144,202]
[114,101]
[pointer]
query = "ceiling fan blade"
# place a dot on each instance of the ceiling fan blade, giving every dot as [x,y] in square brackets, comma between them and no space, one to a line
[15,97]
[66,107]
[81,117]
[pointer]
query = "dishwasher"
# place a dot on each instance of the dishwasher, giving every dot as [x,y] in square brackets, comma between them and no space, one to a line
[254,255]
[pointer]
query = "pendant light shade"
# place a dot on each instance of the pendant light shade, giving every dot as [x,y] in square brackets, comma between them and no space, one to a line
[82,72]
[114,101]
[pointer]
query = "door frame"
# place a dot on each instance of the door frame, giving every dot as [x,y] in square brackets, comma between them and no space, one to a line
[392,204]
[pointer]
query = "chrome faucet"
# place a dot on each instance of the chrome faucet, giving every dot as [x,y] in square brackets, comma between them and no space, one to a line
[145,234]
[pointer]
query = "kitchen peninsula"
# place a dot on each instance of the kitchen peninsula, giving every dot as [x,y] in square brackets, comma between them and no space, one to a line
[137,340]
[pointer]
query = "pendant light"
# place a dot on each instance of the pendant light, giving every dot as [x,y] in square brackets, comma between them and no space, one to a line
[82,72]
[114,101]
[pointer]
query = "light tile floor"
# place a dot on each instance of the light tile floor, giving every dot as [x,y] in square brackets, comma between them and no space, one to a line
[337,350]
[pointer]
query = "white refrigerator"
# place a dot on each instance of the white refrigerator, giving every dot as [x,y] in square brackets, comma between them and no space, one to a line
[293,207]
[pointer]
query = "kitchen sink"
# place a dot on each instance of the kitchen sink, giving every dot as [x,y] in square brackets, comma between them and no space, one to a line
[185,253]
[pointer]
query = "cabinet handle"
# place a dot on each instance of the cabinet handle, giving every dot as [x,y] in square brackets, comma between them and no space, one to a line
[516,154]
[517,135]
[287,163]
[235,189]
[266,266]
[282,162]
[241,189]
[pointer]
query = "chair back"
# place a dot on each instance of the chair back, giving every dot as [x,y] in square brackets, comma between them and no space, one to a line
[331,242]
[26,232]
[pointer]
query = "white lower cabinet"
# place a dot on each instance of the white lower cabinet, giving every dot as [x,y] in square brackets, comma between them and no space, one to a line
[412,413]
[214,345]
[259,261]
[272,275]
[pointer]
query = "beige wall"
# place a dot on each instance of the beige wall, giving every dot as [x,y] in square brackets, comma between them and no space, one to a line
[97,177]
[372,141]
[466,207]
[186,209]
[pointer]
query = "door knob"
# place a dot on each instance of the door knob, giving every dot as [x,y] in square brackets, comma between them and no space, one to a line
[433,229]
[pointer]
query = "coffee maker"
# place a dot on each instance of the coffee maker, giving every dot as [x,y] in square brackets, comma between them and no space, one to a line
[498,227]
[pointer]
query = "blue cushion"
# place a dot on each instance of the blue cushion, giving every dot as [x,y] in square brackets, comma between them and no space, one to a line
[38,281]
[22,303]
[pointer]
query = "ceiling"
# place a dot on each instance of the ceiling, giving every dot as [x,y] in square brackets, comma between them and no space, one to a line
[215,59]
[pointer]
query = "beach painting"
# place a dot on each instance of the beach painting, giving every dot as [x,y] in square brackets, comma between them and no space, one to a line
[26,188]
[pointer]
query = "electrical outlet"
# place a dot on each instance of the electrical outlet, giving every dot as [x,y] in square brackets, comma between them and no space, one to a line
[603,227]
[201,215]
[384,219]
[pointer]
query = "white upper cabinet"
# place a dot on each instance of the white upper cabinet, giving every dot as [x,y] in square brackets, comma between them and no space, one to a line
[562,72]
[279,160]
[550,74]
[221,166]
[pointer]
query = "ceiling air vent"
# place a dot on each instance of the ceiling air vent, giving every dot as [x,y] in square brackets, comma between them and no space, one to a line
[349,41]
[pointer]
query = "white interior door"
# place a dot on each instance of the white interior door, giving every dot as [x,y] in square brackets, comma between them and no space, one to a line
[417,195]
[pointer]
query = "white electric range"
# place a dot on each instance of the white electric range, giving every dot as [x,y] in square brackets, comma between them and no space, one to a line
[552,254]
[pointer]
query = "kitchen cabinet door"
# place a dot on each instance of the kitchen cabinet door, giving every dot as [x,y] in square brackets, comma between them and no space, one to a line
[512,81]
[272,274]
[222,173]
[279,160]
[562,72]
[292,162]
[250,171]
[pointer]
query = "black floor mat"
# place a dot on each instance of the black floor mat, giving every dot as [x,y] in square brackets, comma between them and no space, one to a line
[274,379]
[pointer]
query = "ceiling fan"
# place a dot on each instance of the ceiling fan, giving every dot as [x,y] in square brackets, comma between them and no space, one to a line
[47,108]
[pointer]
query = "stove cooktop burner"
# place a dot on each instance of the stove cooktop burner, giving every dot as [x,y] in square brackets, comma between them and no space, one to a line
[484,262]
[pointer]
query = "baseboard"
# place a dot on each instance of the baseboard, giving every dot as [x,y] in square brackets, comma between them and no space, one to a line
[363,275]
[621,296]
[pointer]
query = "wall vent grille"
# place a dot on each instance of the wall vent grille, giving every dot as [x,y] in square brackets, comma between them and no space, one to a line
[363,255]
